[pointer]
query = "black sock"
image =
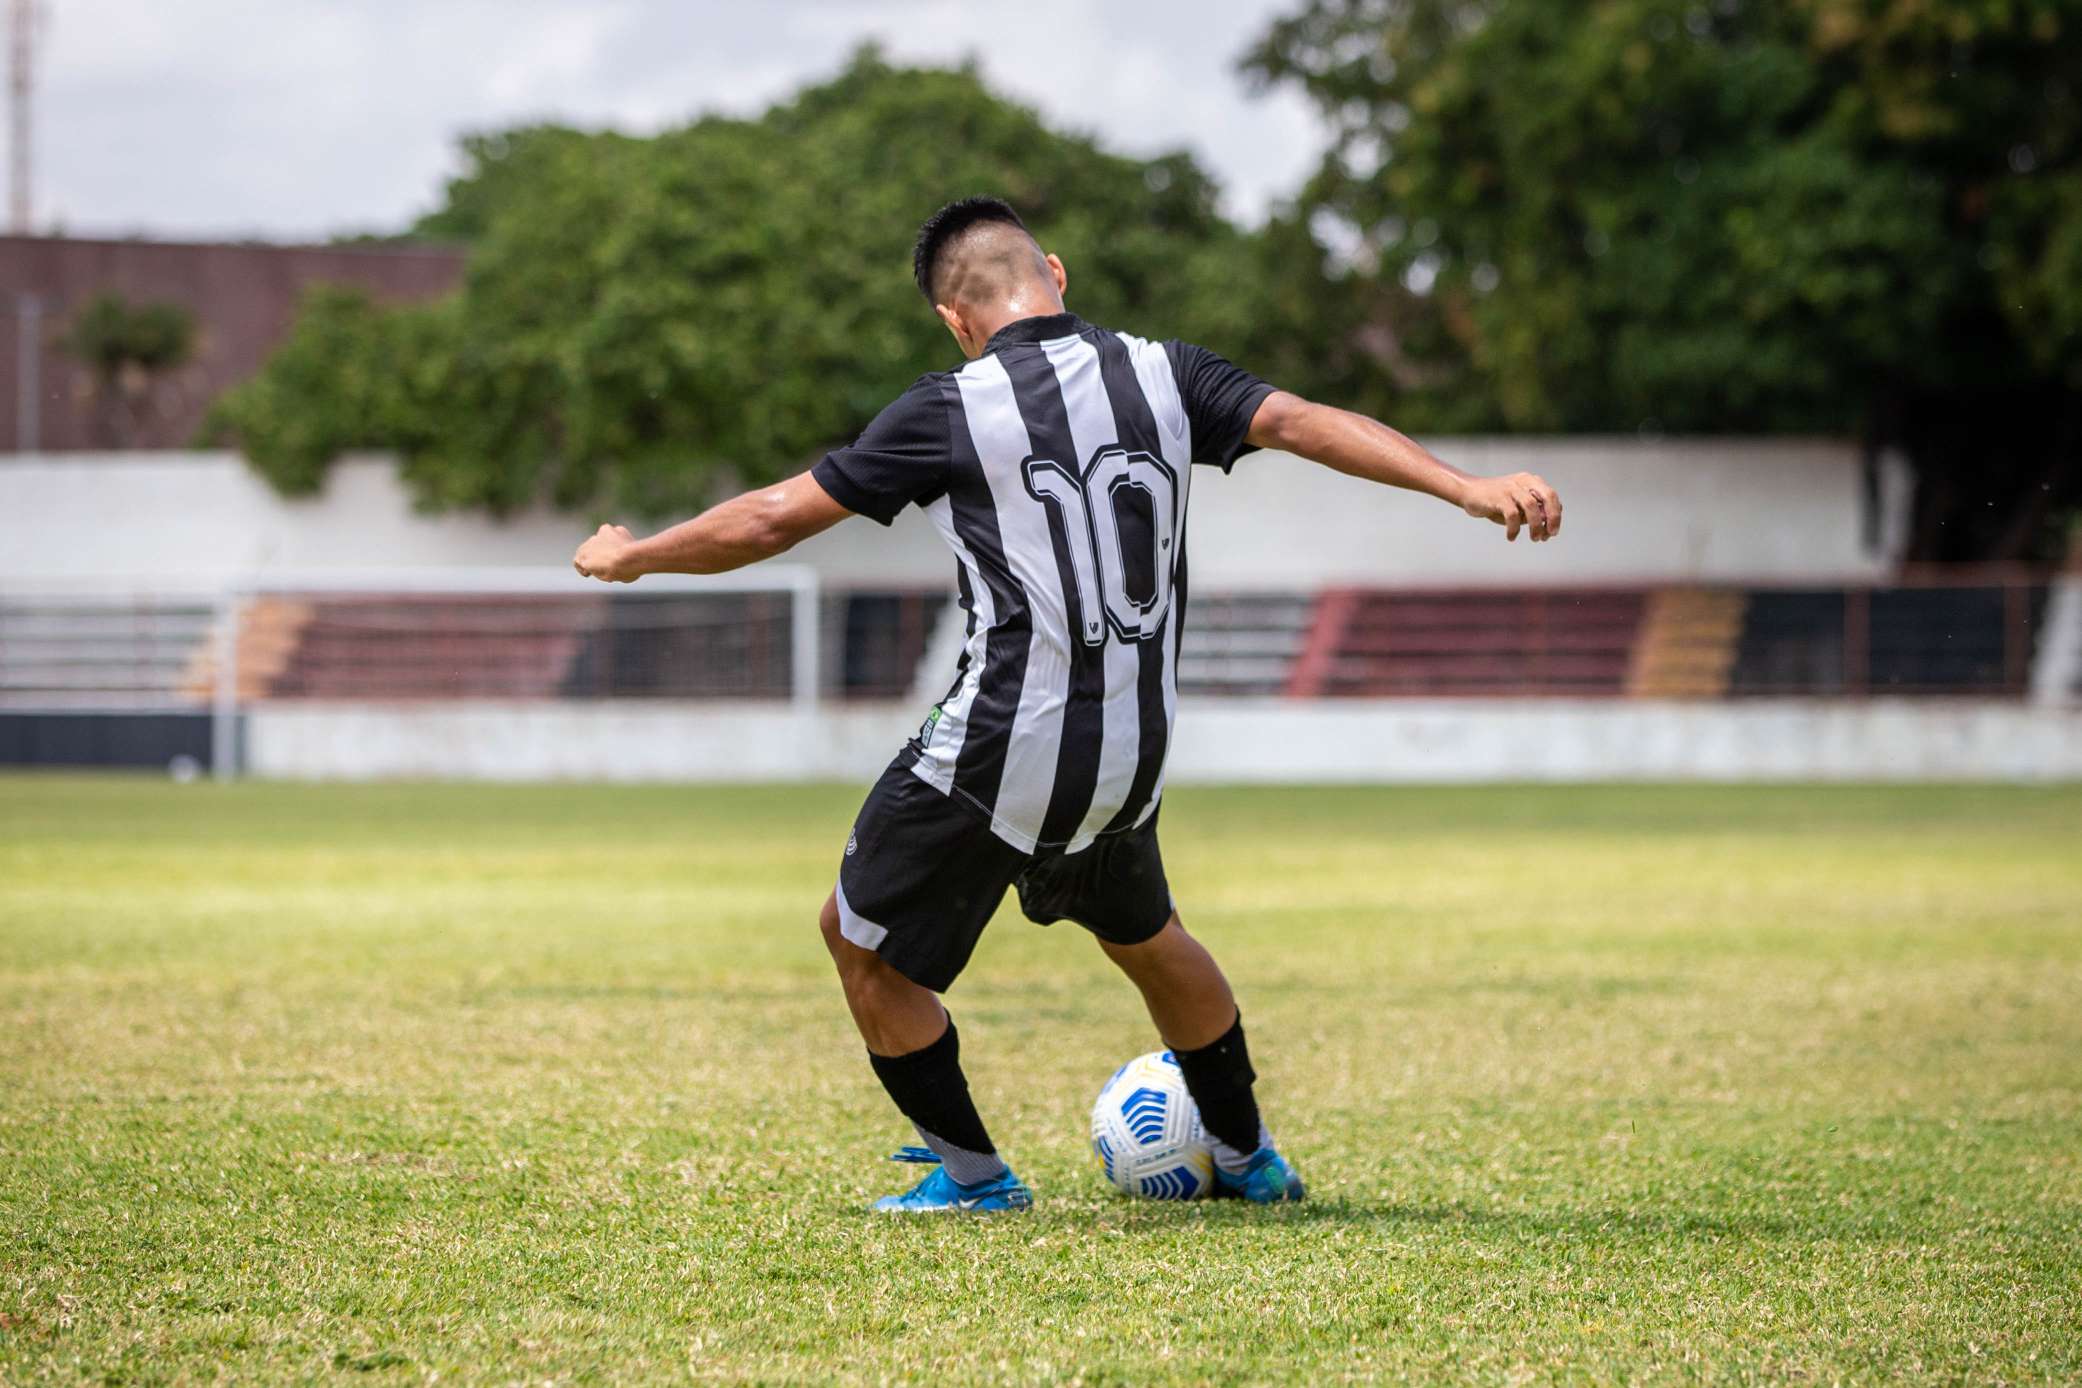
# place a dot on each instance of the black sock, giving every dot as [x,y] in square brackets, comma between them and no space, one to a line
[1219,1077]
[930,1090]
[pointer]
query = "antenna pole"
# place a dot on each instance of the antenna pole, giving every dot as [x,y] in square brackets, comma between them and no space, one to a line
[21,55]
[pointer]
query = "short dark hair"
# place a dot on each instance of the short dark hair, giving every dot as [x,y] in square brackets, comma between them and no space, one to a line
[948,223]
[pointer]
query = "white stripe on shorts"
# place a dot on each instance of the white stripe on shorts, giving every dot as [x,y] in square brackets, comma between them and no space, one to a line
[856,927]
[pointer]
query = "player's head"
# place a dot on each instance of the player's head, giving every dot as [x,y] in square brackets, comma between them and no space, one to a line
[980,268]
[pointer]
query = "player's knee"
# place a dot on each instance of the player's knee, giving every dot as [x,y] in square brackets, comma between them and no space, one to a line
[829,925]
[1151,952]
[858,968]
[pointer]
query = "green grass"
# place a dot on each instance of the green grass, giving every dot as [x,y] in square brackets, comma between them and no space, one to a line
[552,1083]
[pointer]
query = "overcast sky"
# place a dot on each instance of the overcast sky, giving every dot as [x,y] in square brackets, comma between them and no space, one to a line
[297,118]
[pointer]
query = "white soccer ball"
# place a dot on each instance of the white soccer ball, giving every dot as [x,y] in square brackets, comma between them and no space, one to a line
[1147,1134]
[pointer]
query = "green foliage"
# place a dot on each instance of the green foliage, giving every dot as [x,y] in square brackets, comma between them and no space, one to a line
[1743,215]
[126,346]
[646,320]
[335,383]
[112,336]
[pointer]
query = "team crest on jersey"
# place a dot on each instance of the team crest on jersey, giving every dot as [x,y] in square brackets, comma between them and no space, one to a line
[930,726]
[852,844]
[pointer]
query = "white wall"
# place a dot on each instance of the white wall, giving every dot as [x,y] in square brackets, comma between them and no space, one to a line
[1696,509]
[1707,509]
[200,519]
[1218,741]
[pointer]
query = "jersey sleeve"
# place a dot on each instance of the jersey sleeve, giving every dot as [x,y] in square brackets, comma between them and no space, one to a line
[900,458]
[1220,401]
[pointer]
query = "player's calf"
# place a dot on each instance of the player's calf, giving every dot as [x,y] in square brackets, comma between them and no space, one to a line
[1190,1001]
[916,1053]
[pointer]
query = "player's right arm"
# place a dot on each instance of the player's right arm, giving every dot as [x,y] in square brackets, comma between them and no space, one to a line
[1361,447]
[741,531]
[898,459]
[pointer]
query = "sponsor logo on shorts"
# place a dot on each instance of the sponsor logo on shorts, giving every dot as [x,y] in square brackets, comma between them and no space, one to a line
[852,842]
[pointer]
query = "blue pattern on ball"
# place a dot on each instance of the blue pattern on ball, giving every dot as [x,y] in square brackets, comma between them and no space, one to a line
[1179,1183]
[1144,1112]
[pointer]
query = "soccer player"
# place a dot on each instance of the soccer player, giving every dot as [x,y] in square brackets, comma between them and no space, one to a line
[1055,465]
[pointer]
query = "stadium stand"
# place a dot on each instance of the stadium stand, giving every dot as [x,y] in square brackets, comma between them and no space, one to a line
[1687,643]
[101,680]
[413,647]
[63,656]
[1243,643]
[99,652]
[1792,642]
[1911,640]
[1951,640]
[622,645]
[881,641]
[270,632]
[1454,643]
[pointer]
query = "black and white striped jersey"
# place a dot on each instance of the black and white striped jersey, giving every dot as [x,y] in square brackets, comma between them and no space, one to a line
[1056,466]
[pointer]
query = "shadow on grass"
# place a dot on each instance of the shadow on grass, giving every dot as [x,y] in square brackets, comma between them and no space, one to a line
[1517,1226]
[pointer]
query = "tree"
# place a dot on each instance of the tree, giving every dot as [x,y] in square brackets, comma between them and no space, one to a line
[644,321]
[1855,216]
[127,347]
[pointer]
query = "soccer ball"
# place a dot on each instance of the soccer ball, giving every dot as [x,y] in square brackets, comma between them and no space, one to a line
[1147,1134]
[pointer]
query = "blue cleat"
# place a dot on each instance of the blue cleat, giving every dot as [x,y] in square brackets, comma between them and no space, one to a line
[1266,1180]
[940,1193]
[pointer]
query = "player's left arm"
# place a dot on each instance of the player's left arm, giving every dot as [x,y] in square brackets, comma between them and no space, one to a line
[741,531]
[1361,447]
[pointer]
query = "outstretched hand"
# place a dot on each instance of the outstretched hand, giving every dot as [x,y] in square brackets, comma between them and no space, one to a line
[606,556]
[1521,501]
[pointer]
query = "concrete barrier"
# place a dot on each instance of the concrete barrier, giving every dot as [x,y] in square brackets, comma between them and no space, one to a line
[1243,740]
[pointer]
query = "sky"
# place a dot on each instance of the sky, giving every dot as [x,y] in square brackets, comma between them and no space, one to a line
[292,119]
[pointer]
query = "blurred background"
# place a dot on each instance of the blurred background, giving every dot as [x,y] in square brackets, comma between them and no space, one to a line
[331,329]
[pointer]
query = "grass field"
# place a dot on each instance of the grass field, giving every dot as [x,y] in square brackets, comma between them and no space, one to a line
[388,1083]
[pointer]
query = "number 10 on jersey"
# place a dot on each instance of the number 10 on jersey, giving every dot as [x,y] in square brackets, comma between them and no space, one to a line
[1119,524]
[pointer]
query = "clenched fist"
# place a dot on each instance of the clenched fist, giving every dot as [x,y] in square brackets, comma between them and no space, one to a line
[1521,500]
[608,556]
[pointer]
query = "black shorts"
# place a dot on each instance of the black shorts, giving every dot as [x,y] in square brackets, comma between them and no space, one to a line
[923,874]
